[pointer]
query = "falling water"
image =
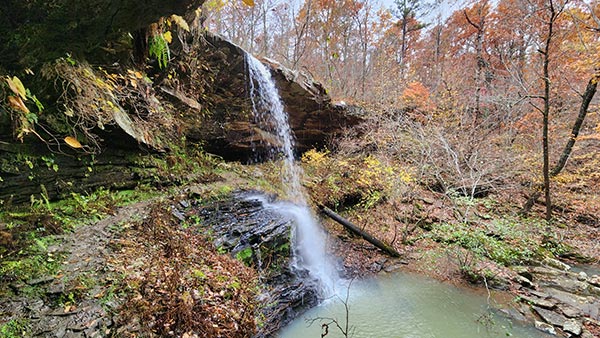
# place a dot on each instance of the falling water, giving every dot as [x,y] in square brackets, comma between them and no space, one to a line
[308,239]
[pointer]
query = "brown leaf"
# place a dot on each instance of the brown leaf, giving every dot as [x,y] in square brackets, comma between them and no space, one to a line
[17,104]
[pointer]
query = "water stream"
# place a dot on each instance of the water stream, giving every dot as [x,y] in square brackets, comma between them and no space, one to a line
[309,240]
[408,306]
[398,305]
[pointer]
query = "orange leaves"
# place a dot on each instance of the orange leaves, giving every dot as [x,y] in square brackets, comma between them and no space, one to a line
[416,97]
[16,103]
[72,142]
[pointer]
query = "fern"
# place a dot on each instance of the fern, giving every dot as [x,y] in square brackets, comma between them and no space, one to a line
[159,48]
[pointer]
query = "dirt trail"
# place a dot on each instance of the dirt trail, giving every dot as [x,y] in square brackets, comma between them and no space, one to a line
[80,300]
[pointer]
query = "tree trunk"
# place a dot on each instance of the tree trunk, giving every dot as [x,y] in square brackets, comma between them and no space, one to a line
[546,112]
[354,229]
[586,98]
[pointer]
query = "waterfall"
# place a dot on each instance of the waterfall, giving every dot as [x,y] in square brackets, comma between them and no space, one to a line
[309,240]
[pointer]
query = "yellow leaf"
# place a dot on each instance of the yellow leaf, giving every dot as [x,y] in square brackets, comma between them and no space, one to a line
[17,87]
[16,103]
[138,75]
[168,37]
[180,22]
[249,2]
[71,141]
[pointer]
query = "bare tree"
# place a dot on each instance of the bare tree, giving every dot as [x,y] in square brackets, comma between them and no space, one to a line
[344,325]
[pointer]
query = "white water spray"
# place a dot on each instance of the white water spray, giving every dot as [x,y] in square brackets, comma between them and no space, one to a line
[308,239]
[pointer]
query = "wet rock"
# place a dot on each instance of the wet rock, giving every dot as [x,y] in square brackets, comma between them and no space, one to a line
[555,263]
[545,271]
[590,306]
[394,265]
[185,204]
[178,214]
[545,327]
[570,311]
[582,276]
[242,223]
[594,280]
[376,267]
[523,281]
[513,314]
[566,284]
[231,130]
[545,303]
[550,317]
[572,326]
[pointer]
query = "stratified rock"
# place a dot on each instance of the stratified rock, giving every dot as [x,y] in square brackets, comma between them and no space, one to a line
[545,327]
[523,281]
[567,284]
[548,304]
[594,280]
[539,270]
[550,317]
[570,311]
[572,326]
[555,263]
[59,27]
[242,224]
[513,314]
[233,132]
[539,294]
[590,306]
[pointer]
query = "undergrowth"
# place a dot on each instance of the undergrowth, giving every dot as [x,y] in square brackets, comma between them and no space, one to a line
[177,283]
[504,242]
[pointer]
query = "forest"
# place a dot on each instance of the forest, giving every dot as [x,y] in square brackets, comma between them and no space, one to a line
[266,168]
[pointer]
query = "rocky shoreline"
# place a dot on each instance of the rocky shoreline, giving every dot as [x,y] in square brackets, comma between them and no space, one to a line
[559,302]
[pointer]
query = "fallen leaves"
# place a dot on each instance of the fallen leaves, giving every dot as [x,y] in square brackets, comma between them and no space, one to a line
[183,285]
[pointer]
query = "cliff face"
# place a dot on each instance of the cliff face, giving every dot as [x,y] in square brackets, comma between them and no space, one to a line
[231,130]
[132,107]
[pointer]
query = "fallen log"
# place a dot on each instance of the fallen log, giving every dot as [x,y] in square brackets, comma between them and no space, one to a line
[354,229]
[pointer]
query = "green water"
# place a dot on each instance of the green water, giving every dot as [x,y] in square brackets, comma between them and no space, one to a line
[408,306]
